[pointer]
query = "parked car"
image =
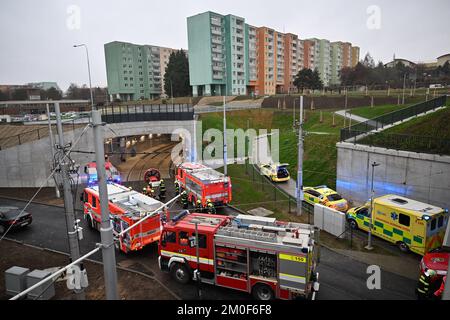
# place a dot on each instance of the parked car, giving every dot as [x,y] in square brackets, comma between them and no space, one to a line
[326,197]
[13,216]
[276,172]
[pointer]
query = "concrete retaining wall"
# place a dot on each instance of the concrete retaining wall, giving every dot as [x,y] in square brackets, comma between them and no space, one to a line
[422,177]
[330,220]
[28,165]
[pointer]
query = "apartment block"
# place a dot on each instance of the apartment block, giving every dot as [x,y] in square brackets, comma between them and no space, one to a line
[219,54]
[135,72]
[227,55]
[355,56]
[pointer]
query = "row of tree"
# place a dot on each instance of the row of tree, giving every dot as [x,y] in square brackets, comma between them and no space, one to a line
[366,73]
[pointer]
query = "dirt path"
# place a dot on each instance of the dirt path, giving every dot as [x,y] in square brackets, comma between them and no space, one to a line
[131,286]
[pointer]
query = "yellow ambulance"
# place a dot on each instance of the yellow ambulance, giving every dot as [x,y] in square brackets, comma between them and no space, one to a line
[412,225]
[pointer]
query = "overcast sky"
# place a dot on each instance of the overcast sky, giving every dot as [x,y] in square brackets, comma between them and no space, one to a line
[37,35]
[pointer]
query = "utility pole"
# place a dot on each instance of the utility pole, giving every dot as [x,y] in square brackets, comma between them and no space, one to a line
[106,231]
[404,88]
[89,73]
[197,253]
[225,147]
[369,245]
[52,145]
[72,229]
[300,162]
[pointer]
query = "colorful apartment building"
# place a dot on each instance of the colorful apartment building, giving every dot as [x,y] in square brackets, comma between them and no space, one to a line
[227,55]
[355,56]
[135,72]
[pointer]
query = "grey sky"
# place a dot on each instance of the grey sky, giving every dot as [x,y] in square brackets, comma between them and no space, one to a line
[37,44]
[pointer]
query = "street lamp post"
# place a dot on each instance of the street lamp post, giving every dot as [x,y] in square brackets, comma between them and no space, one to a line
[369,245]
[89,72]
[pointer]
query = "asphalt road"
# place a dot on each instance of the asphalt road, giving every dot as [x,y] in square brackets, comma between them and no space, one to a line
[340,277]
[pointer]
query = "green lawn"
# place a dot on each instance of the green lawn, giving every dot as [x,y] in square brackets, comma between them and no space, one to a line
[428,134]
[370,113]
[432,125]
[320,150]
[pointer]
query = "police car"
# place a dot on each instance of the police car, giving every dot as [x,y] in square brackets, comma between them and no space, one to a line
[326,197]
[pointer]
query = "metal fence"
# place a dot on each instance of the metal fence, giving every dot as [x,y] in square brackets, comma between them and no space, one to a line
[391,118]
[421,144]
[159,112]
[35,134]
[276,199]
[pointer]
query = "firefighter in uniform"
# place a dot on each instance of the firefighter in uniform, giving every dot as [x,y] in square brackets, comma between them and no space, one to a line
[162,190]
[184,200]
[150,190]
[177,189]
[210,207]
[423,287]
[199,206]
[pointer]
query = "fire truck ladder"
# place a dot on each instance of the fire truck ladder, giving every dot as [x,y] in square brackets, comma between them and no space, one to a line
[247,234]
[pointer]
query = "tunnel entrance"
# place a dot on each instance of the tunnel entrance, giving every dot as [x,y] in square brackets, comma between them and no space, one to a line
[134,155]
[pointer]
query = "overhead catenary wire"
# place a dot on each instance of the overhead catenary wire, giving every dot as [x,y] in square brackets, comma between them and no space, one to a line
[45,182]
[55,275]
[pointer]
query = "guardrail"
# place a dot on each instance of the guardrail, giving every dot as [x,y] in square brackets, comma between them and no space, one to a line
[388,119]
[413,143]
[32,135]
[159,112]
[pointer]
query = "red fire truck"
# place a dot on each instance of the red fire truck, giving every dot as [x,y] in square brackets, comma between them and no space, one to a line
[112,174]
[126,208]
[262,256]
[203,183]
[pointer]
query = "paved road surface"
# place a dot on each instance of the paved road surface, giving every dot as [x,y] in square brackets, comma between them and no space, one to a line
[340,277]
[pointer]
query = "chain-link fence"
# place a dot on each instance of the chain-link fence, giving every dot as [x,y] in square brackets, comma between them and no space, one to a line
[273,198]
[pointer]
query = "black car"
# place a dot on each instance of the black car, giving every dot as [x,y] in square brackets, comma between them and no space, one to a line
[12,216]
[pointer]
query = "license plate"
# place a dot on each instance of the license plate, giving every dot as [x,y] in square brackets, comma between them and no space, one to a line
[23,224]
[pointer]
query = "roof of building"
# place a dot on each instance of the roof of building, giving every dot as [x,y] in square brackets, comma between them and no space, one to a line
[443,56]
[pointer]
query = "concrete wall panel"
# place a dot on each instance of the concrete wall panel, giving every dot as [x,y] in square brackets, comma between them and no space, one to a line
[422,177]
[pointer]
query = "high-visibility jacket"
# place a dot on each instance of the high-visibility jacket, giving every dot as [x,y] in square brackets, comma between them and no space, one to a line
[184,198]
[423,287]
[211,208]
[162,187]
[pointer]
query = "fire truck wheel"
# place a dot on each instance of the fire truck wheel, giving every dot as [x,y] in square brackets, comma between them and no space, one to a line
[262,292]
[403,247]
[180,273]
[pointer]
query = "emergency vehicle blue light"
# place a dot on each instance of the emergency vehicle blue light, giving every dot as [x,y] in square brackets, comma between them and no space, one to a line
[180,216]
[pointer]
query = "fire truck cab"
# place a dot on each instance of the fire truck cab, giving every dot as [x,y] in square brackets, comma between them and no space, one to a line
[262,256]
[203,183]
[126,208]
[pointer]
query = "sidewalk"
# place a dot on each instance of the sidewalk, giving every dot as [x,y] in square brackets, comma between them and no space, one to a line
[400,265]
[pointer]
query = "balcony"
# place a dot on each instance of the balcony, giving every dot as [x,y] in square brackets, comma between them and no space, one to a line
[217,50]
[216,40]
[216,22]
[216,32]
[217,59]
[217,77]
[217,68]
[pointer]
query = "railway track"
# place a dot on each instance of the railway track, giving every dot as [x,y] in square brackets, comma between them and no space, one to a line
[153,159]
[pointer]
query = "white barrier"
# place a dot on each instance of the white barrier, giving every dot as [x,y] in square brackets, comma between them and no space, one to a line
[330,220]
